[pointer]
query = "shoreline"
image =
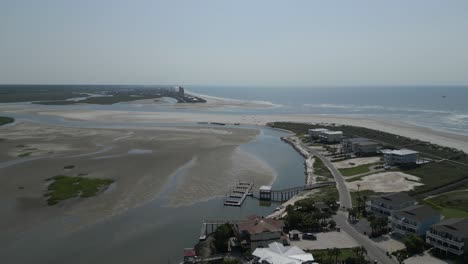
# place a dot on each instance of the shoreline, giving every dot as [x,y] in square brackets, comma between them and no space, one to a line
[395,127]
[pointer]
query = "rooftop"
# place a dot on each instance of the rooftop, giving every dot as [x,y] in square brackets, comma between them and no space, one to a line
[265,188]
[455,226]
[276,253]
[318,129]
[394,199]
[333,132]
[416,213]
[257,225]
[400,152]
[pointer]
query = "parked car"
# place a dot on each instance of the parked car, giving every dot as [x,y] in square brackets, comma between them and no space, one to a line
[309,236]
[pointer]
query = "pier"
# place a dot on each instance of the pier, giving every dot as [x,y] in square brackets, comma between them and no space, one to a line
[237,196]
[267,194]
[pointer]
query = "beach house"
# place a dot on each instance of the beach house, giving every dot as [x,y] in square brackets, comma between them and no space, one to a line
[400,157]
[449,236]
[276,253]
[258,231]
[385,205]
[331,136]
[415,219]
[359,146]
[315,132]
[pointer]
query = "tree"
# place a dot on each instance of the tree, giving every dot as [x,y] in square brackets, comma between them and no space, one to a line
[230,261]
[332,224]
[414,244]
[360,253]
[335,252]
[221,237]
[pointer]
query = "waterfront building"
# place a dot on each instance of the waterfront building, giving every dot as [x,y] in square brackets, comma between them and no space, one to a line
[315,132]
[360,146]
[331,136]
[277,253]
[449,236]
[400,157]
[265,192]
[257,232]
[416,220]
[384,205]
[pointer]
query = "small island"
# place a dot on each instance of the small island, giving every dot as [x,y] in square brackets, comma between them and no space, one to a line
[66,187]
[6,120]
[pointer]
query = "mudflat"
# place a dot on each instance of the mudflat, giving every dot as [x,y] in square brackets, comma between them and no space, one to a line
[179,165]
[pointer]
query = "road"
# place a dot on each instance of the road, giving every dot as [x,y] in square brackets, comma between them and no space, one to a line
[345,197]
[341,218]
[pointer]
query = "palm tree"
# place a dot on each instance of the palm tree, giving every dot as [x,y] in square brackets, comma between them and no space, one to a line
[336,252]
[360,252]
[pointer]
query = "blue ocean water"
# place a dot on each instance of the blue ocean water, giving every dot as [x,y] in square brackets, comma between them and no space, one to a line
[437,107]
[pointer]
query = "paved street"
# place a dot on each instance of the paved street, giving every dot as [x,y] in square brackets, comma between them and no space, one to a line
[341,218]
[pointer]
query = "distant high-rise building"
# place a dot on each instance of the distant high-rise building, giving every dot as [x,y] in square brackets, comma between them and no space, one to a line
[181,91]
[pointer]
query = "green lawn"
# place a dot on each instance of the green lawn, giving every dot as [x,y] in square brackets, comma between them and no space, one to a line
[325,194]
[322,256]
[356,170]
[321,169]
[450,204]
[5,120]
[66,187]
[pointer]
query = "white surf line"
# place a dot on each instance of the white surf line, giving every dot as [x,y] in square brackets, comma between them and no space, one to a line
[8,163]
[92,153]
[129,134]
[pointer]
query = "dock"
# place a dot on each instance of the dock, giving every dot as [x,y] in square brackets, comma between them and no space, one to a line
[237,196]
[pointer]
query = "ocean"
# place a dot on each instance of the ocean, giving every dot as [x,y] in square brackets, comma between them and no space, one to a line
[442,108]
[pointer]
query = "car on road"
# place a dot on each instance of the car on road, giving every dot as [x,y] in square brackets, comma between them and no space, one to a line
[309,236]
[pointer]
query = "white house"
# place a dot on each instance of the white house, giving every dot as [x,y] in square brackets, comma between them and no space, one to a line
[315,132]
[400,157]
[276,253]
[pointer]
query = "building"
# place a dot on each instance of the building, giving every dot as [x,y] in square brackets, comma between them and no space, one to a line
[276,253]
[449,236]
[265,192]
[360,146]
[384,205]
[331,136]
[315,132]
[190,256]
[400,157]
[416,220]
[257,232]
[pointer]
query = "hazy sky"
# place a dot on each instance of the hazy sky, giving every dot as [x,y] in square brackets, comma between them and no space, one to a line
[234,42]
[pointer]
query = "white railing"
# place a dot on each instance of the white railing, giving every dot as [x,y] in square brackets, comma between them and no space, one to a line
[444,239]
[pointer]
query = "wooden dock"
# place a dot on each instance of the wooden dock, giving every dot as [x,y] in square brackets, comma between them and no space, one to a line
[286,194]
[237,196]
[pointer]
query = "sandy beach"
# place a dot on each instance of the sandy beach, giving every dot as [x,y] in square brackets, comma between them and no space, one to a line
[107,116]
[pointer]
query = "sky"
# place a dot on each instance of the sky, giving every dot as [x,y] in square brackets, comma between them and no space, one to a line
[197,42]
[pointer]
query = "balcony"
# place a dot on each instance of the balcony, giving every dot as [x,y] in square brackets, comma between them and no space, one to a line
[444,248]
[380,209]
[405,224]
[444,239]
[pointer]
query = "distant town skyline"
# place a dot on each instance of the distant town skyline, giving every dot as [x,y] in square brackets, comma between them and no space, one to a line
[299,43]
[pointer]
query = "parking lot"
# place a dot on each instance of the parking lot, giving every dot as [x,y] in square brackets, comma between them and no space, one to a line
[327,240]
